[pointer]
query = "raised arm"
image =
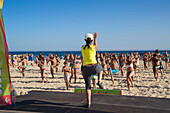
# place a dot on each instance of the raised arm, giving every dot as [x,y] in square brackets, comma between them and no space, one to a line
[95,41]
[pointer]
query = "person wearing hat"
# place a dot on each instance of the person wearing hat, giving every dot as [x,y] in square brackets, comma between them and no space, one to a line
[90,65]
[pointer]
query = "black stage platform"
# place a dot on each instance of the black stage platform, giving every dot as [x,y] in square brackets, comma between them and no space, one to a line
[57,102]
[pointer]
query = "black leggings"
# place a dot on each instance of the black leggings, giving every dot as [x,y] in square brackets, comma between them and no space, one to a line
[88,71]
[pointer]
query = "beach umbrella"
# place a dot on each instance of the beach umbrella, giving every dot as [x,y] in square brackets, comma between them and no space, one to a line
[5,81]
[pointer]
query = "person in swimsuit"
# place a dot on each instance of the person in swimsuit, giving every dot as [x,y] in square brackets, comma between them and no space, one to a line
[166,59]
[110,55]
[66,57]
[53,64]
[102,62]
[113,69]
[108,66]
[105,55]
[74,69]
[12,60]
[159,56]
[149,58]
[90,66]
[66,69]
[155,62]
[41,64]
[23,66]
[26,57]
[47,60]
[121,62]
[131,55]
[130,72]
[136,62]
[17,59]
[31,59]
[97,57]
[36,60]
[71,58]
[145,59]
[57,61]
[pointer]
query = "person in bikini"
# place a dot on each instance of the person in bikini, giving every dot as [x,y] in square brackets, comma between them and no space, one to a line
[41,64]
[12,60]
[97,57]
[47,60]
[136,62]
[32,56]
[26,57]
[121,63]
[155,63]
[108,66]
[57,61]
[66,69]
[145,59]
[149,58]
[66,57]
[105,56]
[113,69]
[71,58]
[130,72]
[160,61]
[74,69]
[23,66]
[110,55]
[166,59]
[53,64]
[102,62]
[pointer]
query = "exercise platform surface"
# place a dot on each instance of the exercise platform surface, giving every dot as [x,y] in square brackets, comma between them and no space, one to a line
[58,102]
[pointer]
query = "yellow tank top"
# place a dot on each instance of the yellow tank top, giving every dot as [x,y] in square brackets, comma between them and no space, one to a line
[89,55]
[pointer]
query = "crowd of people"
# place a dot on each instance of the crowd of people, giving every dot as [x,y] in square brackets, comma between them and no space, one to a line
[94,66]
[110,62]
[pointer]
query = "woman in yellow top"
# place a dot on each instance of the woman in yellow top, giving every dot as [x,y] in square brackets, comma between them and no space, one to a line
[90,66]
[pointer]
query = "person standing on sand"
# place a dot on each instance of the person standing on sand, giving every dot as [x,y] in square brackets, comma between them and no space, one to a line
[155,62]
[103,63]
[149,58]
[74,69]
[66,69]
[90,66]
[12,60]
[66,57]
[53,64]
[160,61]
[41,64]
[130,72]
[145,59]
[166,59]
[57,61]
[23,66]
[113,69]
[47,60]
[121,62]
[136,62]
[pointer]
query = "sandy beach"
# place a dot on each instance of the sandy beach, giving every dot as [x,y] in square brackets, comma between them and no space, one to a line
[144,82]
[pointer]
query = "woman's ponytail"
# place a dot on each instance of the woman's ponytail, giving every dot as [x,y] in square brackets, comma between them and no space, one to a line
[88,42]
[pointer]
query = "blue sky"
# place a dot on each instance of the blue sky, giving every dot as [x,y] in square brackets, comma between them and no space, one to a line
[61,24]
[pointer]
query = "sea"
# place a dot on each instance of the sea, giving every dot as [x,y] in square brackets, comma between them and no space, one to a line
[62,53]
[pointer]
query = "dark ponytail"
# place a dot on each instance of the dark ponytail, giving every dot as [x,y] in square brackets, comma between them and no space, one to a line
[88,42]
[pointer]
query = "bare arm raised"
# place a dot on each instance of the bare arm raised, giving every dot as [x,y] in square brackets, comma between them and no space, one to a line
[95,41]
